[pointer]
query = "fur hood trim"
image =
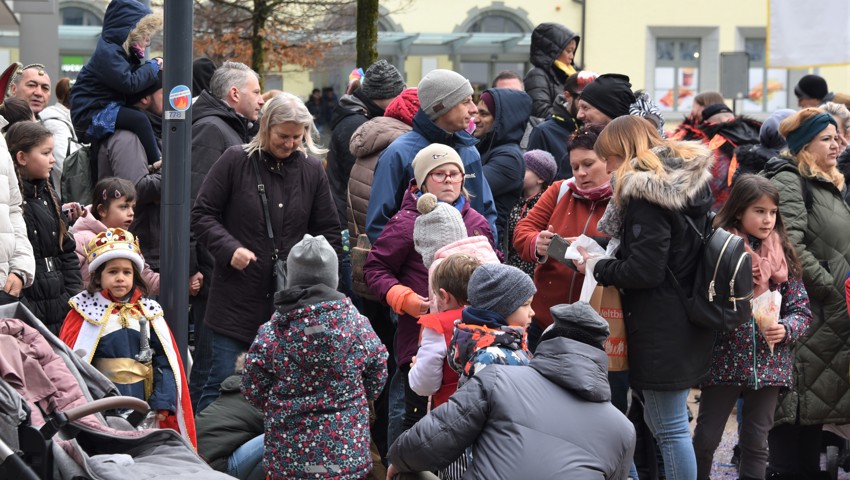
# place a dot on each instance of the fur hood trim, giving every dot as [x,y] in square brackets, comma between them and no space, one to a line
[148,26]
[683,182]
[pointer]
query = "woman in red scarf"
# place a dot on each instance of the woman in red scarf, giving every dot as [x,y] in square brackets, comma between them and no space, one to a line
[574,212]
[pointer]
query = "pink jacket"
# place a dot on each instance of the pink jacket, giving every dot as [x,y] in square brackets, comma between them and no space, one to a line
[477,246]
[86,228]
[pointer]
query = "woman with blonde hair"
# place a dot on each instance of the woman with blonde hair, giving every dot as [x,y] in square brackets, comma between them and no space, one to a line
[230,219]
[818,223]
[657,183]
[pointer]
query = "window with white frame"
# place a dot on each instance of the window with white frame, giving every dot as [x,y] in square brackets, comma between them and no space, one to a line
[768,86]
[677,62]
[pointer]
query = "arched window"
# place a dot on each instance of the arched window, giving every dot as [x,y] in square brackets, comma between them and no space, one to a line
[495,23]
[481,68]
[79,17]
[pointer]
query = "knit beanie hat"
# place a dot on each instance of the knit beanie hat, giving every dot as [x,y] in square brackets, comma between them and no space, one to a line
[714,109]
[499,288]
[381,81]
[438,225]
[312,261]
[611,94]
[487,98]
[432,157]
[404,106]
[811,86]
[581,316]
[542,163]
[440,90]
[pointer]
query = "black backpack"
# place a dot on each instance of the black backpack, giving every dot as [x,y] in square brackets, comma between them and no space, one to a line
[78,179]
[723,285]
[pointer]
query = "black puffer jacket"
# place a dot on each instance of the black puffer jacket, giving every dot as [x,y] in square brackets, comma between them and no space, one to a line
[227,424]
[57,271]
[352,112]
[666,351]
[553,136]
[545,81]
[501,156]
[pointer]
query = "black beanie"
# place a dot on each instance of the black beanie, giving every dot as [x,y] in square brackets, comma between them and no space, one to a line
[137,97]
[611,94]
[713,110]
[811,86]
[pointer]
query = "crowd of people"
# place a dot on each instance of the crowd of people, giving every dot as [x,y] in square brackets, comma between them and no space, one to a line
[462,342]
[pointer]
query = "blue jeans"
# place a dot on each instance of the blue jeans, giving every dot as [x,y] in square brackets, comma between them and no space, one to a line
[666,414]
[396,404]
[224,353]
[246,462]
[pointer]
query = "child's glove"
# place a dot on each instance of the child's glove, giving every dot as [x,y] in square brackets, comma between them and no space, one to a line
[167,420]
[404,300]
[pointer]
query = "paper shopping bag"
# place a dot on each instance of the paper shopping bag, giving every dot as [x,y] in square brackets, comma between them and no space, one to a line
[606,302]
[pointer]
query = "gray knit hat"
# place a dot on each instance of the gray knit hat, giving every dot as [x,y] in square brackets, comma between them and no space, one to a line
[381,81]
[438,225]
[542,163]
[312,261]
[582,316]
[440,90]
[499,288]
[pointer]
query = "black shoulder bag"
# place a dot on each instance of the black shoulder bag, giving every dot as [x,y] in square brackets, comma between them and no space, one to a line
[279,265]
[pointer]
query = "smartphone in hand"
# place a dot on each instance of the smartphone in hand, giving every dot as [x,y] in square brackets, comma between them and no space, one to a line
[558,248]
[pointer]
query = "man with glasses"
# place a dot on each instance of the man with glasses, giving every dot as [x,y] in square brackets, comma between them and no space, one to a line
[32,84]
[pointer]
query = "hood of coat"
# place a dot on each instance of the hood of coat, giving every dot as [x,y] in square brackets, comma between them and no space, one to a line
[683,187]
[574,366]
[209,106]
[355,104]
[376,135]
[741,130]
[780,163]
[548,40]
[513,107]
[752,158]
[434,134]
[56,111]
[120,18]
[88,223]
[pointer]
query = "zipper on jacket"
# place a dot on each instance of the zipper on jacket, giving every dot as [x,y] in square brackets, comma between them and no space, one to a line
[732,296]
[755,353]
[711,291]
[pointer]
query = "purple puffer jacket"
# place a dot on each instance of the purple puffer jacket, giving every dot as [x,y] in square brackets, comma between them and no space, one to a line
[741,357]
[393,261]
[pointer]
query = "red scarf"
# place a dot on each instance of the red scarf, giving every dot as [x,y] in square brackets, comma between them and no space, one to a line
[769,264]
[599,192]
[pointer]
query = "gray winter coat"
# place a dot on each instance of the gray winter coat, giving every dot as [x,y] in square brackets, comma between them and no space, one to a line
[553,419]
[821,237]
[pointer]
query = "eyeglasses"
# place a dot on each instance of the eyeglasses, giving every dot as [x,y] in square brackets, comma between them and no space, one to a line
[440,177]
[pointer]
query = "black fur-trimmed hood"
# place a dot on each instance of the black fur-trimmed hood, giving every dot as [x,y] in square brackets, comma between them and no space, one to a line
[683,186]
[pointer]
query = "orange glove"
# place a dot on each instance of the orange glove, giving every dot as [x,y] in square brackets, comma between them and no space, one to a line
[404,300]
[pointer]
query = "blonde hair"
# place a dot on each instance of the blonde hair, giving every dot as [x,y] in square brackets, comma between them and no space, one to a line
[453,274]
[282,108]
[806,161]
[635,141]
[148,26]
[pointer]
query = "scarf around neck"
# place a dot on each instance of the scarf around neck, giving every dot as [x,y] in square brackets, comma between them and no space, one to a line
[600,192]
[769,264]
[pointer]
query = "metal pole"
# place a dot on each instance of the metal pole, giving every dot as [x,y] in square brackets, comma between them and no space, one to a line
[177,100]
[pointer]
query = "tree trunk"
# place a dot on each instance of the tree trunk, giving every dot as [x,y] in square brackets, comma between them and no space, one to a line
[258,23]
[367,33]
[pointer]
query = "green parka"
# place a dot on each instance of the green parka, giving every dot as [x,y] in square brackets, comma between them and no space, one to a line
[821,237]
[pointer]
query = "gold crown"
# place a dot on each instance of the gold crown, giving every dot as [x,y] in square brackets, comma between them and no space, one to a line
[113,243]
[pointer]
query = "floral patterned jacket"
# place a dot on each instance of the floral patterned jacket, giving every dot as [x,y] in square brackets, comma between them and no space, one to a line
[311,371]
[742,357]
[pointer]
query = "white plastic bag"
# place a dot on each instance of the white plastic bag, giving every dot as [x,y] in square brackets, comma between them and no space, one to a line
[766,311]
[594,250]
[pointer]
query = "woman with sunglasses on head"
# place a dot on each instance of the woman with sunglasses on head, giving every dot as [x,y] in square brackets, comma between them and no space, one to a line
[395,271]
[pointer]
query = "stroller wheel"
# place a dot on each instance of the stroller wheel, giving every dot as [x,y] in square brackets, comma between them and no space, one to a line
[832,461]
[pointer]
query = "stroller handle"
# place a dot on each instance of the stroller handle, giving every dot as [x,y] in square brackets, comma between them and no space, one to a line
[109,403]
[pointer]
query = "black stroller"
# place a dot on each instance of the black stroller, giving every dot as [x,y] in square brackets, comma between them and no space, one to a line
[51,420]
